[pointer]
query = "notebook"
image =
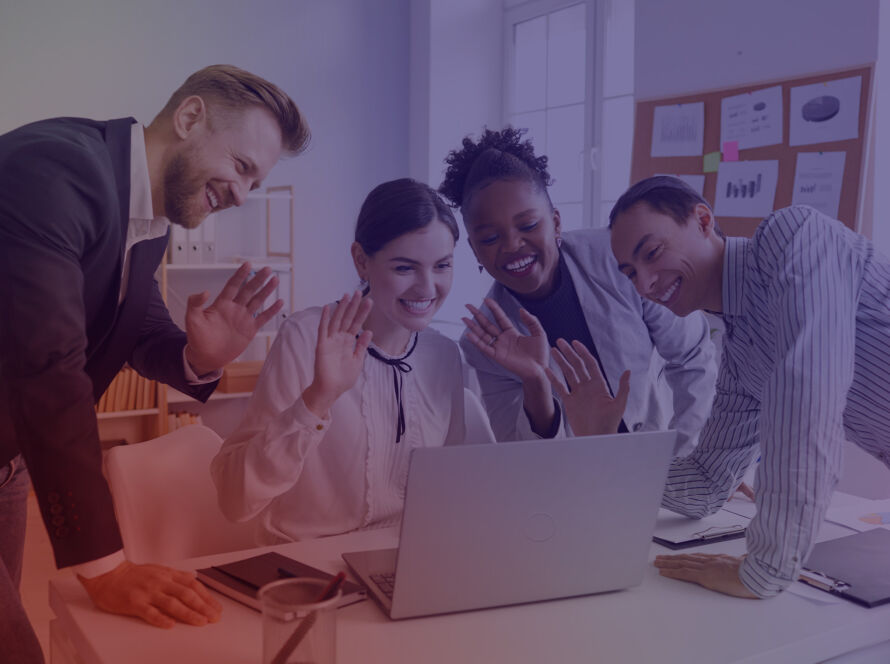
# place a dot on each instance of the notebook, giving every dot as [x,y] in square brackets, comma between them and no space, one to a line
[854,567]
[241,580]
[493,525]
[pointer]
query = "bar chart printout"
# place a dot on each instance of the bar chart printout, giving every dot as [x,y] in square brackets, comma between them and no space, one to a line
[746,188]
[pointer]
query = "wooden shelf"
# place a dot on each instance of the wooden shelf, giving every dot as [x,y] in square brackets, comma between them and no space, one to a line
[260,263]
[126,413]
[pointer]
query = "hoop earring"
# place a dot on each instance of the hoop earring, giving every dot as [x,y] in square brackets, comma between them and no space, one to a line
[558,242]
[363,285]
[480,268]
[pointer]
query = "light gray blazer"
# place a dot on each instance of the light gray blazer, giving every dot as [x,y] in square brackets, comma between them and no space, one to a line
[671,359]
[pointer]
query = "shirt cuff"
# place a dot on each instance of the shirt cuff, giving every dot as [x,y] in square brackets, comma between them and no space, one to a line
[302,415]
[760,579]
[100,566]
[194,379]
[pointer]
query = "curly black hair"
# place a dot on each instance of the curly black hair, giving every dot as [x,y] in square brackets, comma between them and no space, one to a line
[498,155]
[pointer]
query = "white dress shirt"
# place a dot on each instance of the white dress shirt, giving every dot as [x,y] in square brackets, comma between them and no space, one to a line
[806,363]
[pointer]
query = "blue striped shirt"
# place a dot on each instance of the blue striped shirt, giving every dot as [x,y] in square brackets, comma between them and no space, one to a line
[806,364]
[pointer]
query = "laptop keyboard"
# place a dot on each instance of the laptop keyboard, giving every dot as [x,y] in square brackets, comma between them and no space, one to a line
[385,582]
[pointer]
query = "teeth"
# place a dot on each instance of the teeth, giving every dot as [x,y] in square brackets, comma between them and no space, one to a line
[214,201]
[664,297]
[520,264]
[417,306]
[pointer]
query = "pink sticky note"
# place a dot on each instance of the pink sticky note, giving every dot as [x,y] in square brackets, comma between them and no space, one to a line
[730,150]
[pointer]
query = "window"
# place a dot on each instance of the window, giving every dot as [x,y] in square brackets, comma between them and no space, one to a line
[569,82]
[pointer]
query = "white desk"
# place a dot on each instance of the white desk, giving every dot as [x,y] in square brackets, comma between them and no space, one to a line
[661,620]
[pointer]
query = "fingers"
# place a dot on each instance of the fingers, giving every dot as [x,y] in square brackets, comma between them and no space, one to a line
[557,384]
[325,322]
[504,323]
[362,343]
[268,314]
[479,338]
[197,300]
[361,315]
[255,303]
[746,491]
[568,370]
[532,323]
[233,285]
[345,312]
[246,290]
[484,326]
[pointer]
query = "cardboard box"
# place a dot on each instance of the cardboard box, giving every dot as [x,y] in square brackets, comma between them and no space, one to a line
[240,376]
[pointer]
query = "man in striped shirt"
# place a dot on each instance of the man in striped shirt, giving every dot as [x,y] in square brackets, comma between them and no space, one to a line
[806,364]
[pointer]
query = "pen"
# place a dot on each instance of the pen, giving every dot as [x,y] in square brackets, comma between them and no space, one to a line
[306,623]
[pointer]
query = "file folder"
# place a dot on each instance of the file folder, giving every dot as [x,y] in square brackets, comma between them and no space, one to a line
[856,567]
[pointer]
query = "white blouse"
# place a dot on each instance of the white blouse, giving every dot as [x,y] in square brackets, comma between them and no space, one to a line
[308,477]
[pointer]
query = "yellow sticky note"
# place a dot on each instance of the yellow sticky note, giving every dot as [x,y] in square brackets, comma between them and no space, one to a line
[712,162]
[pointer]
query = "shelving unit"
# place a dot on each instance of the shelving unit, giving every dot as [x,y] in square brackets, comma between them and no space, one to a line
[239,235]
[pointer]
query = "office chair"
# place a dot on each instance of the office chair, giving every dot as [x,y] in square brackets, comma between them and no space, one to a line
[165,499]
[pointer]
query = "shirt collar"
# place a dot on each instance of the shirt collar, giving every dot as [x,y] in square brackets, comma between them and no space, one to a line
[144,225]
[735,258]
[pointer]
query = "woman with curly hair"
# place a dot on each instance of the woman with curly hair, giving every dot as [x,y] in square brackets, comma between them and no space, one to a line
[554,287]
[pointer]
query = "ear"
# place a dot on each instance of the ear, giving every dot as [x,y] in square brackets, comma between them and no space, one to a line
[190,113]
[360,260]
[704,218]
[557,223]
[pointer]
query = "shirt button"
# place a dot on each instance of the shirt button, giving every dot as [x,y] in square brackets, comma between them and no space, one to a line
[55,508]
[53,497]
[319,427]
[638,426]
[61,531]
[58,520]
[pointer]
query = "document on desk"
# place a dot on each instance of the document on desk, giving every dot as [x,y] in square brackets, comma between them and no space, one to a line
[676,531]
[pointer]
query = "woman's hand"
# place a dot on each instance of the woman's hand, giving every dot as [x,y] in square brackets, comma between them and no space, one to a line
[589,406]
[339,351]
[522,354]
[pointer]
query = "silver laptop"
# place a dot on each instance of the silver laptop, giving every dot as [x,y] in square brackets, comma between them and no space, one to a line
[491,525]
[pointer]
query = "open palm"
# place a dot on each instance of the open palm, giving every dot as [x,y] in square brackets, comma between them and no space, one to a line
[522,354]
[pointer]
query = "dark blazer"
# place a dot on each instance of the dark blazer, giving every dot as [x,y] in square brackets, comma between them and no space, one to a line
[64,211]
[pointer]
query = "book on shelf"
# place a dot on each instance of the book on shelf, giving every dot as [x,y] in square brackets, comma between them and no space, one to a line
[128,391]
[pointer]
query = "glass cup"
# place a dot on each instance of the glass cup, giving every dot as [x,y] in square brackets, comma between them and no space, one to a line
[297,628]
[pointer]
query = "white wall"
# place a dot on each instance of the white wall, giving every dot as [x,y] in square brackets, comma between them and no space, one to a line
[345,63]
[692,45]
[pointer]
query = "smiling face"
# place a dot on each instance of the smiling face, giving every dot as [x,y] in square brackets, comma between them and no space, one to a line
[215,165]
[512,230]
[677,266]
[408,279]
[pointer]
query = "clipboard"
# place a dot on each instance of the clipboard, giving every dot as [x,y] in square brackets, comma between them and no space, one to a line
[676,531]
[854,567]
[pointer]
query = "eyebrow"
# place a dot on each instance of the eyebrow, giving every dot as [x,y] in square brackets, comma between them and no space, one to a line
[636,251]
[400,259]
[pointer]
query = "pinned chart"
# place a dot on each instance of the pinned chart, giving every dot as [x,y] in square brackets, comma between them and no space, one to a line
[746,188]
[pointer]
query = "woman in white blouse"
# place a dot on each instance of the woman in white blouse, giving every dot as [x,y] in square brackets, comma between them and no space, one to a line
[350,388]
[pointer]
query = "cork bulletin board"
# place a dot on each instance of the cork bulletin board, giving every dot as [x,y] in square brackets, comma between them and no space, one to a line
[644,164]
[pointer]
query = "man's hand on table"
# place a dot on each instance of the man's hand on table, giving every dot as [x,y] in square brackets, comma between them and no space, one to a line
[159,595]
[718,572]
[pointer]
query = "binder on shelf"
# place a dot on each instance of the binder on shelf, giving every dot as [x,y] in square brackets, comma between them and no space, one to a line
[194,245]
[178,245]
[208,239]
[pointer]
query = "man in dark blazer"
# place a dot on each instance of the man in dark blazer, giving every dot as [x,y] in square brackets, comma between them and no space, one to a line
[85,209]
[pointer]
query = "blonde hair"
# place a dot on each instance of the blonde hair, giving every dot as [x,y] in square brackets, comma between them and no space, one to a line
[226,87]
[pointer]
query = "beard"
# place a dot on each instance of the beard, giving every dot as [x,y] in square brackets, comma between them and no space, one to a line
[184,198]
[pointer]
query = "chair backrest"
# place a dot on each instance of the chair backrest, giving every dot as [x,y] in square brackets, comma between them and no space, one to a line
[165,500]
[478,428]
